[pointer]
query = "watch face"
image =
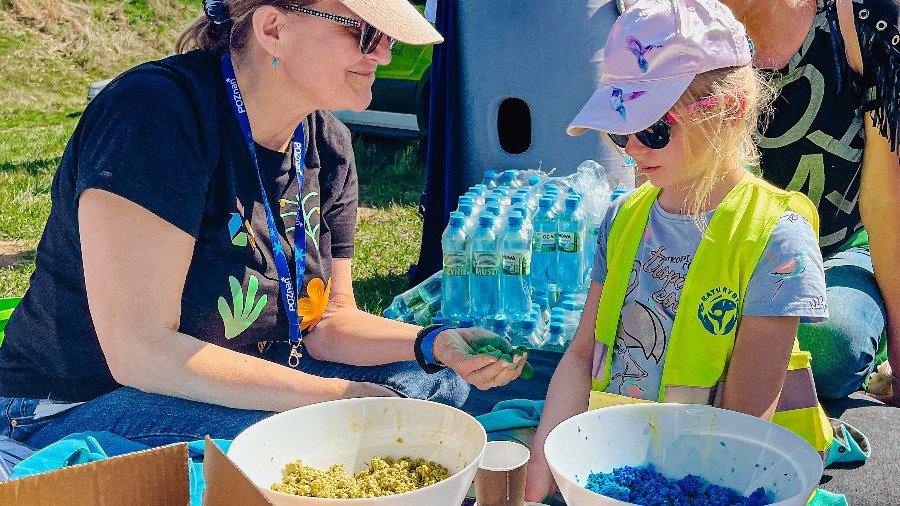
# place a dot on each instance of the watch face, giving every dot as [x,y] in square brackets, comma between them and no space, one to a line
[623,5]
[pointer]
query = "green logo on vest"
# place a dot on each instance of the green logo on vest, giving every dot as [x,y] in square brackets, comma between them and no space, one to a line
[718,310]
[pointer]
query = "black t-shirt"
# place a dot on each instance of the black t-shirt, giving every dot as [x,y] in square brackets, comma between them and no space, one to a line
[815,139]
[163,135]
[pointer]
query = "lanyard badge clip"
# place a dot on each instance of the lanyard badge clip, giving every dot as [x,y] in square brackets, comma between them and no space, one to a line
[296,355]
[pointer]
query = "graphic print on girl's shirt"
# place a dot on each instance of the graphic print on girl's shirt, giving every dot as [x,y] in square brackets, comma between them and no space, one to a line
[782,284]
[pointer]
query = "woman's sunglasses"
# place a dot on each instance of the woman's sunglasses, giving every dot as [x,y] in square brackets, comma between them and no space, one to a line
[369,36]
[656,136]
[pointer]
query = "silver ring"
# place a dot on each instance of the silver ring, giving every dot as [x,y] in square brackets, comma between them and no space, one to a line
[864,14]
[881,25]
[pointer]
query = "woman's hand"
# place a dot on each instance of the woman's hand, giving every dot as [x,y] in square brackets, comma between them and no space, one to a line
[452,347]
[539,482]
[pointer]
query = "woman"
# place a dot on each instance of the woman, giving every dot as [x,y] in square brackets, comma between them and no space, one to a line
[834,136]
[165,289]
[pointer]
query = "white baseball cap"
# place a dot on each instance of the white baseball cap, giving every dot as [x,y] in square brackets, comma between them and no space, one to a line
[654,51]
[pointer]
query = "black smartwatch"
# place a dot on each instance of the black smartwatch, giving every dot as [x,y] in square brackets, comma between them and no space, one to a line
[424,358]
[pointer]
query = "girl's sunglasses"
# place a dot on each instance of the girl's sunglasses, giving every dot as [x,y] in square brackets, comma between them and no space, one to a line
[656,136]
[369,36]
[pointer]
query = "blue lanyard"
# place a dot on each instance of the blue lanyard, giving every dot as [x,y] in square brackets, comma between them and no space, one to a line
[288,291]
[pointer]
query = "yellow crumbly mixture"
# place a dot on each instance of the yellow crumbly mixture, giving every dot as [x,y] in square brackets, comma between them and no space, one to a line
[384,477]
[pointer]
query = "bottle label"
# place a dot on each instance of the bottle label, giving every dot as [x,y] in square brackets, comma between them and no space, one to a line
[517,264]
[544,242]
[569,242]
[486,264]
[456,264]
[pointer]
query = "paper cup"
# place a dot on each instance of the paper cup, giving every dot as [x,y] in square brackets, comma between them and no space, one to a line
[500,479]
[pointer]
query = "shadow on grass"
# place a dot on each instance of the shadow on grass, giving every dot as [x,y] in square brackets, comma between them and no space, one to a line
[390,170]
[32,167]
[374,294]
[15,258]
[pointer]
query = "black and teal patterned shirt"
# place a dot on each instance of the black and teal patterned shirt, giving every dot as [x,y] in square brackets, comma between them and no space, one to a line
[814,142]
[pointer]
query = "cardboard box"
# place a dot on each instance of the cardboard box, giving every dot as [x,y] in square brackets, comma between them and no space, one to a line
[154,477]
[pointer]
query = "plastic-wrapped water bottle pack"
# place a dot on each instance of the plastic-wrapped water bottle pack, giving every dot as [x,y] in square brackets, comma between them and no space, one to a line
[517,256]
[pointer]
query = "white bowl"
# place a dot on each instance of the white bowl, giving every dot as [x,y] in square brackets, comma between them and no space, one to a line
[351,432]
[724,447]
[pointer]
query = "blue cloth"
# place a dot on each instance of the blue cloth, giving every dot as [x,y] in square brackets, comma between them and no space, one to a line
[512,414]
[73,450]
[85,447]
[442,183]
[844,347]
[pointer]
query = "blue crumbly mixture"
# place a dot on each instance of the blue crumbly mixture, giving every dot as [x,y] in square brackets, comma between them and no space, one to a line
[644,485]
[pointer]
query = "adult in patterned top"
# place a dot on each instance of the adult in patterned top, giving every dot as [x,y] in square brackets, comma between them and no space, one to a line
[834,135]
[157,310]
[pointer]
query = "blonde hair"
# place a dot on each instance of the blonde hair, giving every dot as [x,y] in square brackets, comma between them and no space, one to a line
[722,130]
[202,33]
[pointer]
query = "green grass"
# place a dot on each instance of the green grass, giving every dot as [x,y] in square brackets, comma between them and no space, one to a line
[50,52]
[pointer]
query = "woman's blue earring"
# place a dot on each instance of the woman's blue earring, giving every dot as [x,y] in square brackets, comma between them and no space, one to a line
[274,62]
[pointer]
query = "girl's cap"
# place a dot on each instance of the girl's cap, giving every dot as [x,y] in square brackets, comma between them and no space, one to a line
[654,51]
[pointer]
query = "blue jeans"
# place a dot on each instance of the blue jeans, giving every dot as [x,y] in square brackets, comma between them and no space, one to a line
[844,346]
[156,420]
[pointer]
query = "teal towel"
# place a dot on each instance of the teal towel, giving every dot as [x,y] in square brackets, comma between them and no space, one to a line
[512,414]
[826,498]
[848,445]
[64,453]
[87,447]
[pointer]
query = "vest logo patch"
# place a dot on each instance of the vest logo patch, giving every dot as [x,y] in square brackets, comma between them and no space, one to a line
[718,310]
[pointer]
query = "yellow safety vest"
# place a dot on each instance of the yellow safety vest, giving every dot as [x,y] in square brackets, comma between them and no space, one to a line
[706,323]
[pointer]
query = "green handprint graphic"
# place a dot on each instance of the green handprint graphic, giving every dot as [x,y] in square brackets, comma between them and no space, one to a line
[245,312]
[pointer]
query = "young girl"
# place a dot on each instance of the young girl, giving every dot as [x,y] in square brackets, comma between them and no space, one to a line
[703,274]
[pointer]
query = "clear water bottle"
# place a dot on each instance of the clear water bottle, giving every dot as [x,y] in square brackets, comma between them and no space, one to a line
[418,304]
[541,321]
[490,178]
[477,199]
[498,223]
[570,247]
[530,199]
[618,192]
[508,178]
[590,249]
[571,317]
[457,249]
[514,286]
[500,326]
[485,280]
[503,195]
[524,334]
[623,177]
[556,338]
[471,218]
[543,246]
[551,190]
